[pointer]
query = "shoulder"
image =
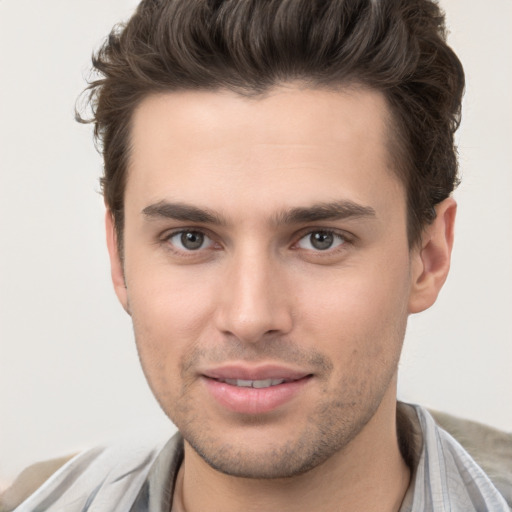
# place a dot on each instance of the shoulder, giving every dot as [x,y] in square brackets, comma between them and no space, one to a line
[489,447]
[116,472]
[30,479]
[458,465]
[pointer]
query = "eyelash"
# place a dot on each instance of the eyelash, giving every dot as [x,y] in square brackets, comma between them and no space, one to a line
[166,239]
[337,235]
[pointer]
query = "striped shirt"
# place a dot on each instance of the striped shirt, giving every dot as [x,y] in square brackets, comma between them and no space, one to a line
[140,478]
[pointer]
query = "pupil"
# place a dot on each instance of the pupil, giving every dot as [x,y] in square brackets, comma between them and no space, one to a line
[192,240]
[321,240]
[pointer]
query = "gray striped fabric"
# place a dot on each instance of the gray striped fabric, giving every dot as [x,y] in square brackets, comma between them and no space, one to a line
[446,478]
[138,477]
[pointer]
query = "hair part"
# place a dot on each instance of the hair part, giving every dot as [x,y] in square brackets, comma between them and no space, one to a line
[397,47]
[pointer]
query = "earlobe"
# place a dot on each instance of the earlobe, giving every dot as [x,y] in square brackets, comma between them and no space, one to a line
[431,260]
[116,265]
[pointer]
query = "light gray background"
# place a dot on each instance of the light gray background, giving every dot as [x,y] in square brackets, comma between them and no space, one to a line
[69,374]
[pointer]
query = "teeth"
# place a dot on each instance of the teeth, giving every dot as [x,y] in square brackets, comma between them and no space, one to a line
[266,383]
[258,384]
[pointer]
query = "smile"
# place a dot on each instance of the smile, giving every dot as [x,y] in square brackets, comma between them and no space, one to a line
[236,390]
[258,384]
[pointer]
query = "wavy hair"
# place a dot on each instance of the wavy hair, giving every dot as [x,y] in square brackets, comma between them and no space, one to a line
[397,47]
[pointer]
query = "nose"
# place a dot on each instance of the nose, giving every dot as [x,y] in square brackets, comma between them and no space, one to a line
[255,301]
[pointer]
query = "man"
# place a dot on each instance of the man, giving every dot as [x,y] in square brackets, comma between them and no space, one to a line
[277,182]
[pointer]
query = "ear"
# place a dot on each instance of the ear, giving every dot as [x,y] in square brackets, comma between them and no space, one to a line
[116,265]
[430,260]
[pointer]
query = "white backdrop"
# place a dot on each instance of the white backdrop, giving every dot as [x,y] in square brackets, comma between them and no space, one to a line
[69,375]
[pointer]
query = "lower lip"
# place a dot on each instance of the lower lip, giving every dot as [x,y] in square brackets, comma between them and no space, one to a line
[246,400]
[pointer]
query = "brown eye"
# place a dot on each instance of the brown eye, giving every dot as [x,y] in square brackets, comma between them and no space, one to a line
[321,241]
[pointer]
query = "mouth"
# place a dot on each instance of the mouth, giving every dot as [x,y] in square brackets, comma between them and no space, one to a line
[257,384]
[256,390]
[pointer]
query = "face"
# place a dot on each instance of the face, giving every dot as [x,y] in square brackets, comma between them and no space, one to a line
[267,271]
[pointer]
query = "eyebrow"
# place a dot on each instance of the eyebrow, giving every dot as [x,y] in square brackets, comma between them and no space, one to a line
[337,210]
[183,212]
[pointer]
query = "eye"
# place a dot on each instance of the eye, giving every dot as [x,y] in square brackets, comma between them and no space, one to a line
[190,240]
[321,240]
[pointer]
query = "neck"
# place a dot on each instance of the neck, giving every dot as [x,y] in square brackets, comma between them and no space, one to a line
[368,474]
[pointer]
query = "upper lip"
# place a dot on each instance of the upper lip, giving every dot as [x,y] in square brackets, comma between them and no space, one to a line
[247,372]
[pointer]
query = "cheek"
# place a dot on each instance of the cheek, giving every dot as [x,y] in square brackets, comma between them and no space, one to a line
[170,302]
[360,327]
[361,311]
[170,316]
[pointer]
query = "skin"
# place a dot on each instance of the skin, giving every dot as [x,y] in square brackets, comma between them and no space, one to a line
[257,291]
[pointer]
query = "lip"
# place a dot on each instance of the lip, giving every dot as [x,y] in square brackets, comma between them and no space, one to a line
[248,400]
[261,372]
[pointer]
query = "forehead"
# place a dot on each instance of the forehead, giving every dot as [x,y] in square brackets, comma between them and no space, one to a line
[290,145]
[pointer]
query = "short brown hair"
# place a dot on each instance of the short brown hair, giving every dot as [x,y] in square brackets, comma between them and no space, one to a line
[397,47]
